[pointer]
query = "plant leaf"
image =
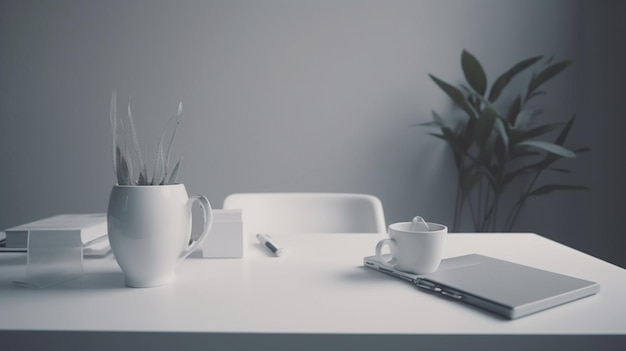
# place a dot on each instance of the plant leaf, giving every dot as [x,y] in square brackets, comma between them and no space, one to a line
[123,172]
[549,147]
[438,119]
[484,125]
[448,136]
[506,77]
[486,153]
[500,128]
[113,119]
[523,119]
[536,93]
[143,177]
[427,124]
[514,110]
[174,176]
[158,164]
[129,166]
[560,140]
[133,133]
[538,131]
[169,148]
[440,136]
[546,74]
[520,171]
[474,73]
[456,95]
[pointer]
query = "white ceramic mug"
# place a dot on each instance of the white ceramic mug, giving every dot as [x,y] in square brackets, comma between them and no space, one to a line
[417,252]
[150,230]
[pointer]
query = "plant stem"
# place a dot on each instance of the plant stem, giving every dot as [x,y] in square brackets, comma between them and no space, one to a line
[473,215]
[488,210]
[495,213]
[479,205]
[512,217]
[455,225]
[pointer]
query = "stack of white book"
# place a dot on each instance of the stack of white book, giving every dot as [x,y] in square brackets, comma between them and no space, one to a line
[91,228]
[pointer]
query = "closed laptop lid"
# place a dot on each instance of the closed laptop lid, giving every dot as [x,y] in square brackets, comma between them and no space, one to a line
[515,287]
[503,287]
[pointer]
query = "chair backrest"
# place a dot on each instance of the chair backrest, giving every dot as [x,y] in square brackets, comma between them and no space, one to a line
[308,212]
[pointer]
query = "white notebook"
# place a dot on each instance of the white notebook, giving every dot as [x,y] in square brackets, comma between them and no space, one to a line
[508,289]
[89,227]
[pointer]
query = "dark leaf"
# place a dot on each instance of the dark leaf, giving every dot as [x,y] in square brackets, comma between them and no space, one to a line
[438,136]
[456,151]
[538,131]
[427,124]
[455,94]
[501,129]
[143,178]
[509,177]
[474,73]
[506,77]
[523,118]
[536,93]
[560,140]
[438,119]
[174,176]
[484,125]
[545,75]
[486,152]
[123,170]
[467,134]
[514,110]
[549,147]
[135,140]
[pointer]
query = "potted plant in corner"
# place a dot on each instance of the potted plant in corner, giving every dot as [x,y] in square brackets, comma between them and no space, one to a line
[149,217]
[498,145]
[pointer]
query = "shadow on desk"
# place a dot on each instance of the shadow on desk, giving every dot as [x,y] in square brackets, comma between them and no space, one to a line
[92,281]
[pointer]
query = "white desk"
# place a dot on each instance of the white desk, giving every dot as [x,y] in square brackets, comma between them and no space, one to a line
[316,296]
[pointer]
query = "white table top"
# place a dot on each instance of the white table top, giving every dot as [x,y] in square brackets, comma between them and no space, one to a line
[318,286]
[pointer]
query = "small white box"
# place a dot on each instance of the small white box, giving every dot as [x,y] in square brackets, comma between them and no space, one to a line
[225,239]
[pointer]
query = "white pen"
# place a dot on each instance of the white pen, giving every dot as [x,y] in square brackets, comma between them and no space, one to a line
[266,241]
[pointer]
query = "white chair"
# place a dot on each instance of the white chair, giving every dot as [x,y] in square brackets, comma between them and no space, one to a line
[308,212]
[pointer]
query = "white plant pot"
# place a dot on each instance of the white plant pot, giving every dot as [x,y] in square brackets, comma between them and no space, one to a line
[150,229]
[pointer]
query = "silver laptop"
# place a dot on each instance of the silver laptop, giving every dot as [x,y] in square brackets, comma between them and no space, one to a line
[508,289]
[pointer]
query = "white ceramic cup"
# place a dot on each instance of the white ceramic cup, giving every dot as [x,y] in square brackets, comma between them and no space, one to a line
[150,231]
[417,252]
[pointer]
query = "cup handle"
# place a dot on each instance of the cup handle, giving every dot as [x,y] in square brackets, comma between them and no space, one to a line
[208,221]
[391,263]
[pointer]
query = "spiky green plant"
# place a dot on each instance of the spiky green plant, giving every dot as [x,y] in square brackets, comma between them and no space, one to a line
[493,150]
[123,157]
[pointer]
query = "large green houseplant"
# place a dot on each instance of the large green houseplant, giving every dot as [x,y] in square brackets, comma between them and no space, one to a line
[497,144]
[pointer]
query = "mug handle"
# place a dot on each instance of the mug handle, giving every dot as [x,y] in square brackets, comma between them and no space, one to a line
[391,263]
[208,222]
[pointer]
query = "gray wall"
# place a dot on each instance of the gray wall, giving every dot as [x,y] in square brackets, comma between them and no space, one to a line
[298,96]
